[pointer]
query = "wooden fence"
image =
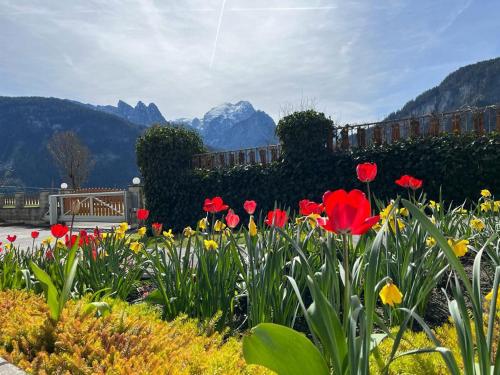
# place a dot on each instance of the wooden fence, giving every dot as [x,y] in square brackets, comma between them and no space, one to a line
[465,120]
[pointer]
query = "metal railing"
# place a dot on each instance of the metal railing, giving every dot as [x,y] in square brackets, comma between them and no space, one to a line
[228,159]
[465,120]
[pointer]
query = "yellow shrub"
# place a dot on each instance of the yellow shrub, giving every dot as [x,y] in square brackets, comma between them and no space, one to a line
[130,340]
[425,363]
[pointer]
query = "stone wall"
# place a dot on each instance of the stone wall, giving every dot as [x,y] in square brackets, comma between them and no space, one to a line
[20,208]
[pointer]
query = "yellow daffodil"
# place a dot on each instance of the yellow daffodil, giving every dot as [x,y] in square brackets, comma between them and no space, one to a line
[384,214]
[123,226]
[210,245]
[60,244]
[433,220]
[486,206]
[485,193]
[203,223]
[401,224]
[188,232]
[104,235]
[299,220]
[141,231]
[47,241]
[496,206]
[8,246]
[434,205]
[168,235]
[377,227]
[477,224]
[404,212]
[390,294]
[135,246]
[313,220]
[430,241]
[489,297]
[252,228]
[461,211]
[119,234]
[219,226]
[459,246]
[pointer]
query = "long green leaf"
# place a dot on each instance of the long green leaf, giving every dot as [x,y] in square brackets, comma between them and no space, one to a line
[441,240]
[49,289]
[283,350]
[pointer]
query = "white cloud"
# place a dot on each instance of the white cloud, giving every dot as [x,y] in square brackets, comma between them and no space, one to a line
[360,60]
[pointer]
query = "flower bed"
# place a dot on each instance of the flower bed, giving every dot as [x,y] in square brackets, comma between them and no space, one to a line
[355,274]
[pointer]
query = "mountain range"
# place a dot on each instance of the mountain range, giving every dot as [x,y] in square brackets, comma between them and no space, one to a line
[225,127]
[233,126]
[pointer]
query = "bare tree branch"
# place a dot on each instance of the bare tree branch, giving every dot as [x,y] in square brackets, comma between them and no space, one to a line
[71,157]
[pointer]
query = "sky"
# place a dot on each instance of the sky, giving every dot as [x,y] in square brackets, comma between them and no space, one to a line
[354,60]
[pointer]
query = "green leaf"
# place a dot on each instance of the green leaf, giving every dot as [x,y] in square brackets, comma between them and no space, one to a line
[155,297]
[102,308]
[69,274]
[49,289]
[441,240]
[283,350]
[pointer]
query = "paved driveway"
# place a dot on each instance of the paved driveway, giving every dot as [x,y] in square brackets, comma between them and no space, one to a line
[23,233]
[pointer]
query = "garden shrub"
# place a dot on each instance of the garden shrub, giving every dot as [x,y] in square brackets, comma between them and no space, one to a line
[130,340]
[460,165]
[424,363]
[304,134]
[164,156]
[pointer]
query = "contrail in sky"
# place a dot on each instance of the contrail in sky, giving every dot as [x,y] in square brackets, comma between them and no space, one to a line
[221,14]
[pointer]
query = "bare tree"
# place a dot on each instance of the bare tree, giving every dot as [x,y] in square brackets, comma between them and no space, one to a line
[305,103]
[72,157]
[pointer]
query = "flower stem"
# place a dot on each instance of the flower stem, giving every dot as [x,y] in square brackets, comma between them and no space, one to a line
[347,283]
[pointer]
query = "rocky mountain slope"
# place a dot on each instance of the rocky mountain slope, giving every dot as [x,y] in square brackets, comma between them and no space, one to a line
[472,85]
[140,114]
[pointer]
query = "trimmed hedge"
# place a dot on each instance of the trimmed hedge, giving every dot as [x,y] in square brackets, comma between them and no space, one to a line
[460,165]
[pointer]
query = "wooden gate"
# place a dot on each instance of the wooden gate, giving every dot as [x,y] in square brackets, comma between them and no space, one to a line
[108,207]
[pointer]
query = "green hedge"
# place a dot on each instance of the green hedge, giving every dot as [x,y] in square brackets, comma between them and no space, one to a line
[461,165]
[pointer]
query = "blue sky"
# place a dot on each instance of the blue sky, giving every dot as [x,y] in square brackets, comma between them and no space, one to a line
[356,60]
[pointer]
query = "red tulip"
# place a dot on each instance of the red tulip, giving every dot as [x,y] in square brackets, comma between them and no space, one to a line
[347,212]
[142,214]
[407,181]
[277,218]
[49,254]
[232,219]
[307,207]
[97,232]
[214,205]
[366,172]
[58,230]
[11,238]
[157,227]
[250,207]
[35,234]
[71,241]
